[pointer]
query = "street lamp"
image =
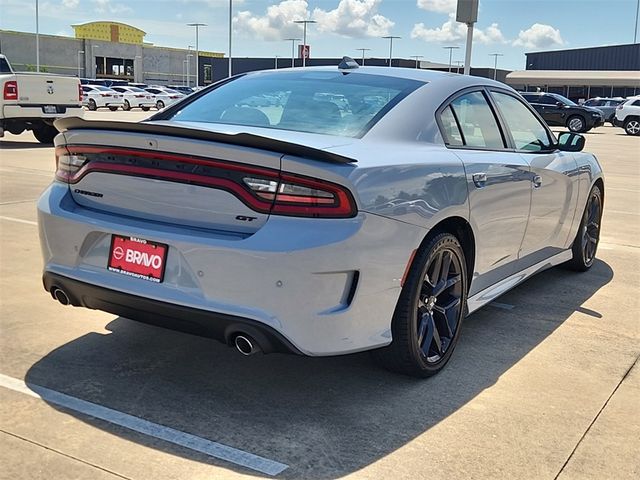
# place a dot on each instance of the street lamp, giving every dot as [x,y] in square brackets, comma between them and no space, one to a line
[451,49]
[304,39]
[276,62]
[417,57]
[293,50]
[37,39]
[197,25]
[230,34]
[79,52]
[495,63]
[458,63]
[390,38]
[189,55]
[363,50]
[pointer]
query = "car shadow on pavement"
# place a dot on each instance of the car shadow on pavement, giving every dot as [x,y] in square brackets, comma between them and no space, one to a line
[20,145]
[324,417]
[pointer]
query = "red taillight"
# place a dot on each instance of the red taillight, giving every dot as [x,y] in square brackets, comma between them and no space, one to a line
[105,94]
[141,96]
[174,96]
[79,92]
[262,189]
[11,90]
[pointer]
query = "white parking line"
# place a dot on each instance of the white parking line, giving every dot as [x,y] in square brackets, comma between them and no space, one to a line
[503,306]
[171,435]
[18,220]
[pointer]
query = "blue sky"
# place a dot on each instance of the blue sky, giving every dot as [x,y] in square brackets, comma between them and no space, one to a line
[510,27]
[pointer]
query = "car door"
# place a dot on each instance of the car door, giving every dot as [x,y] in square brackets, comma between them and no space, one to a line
[552,112]
[498,182]
[554,192]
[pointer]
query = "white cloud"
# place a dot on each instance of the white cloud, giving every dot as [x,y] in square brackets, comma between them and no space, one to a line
[452,31]
[105,6]
[539,36]
[276,24]
[351,18]
[70,3]
[440,6]
[354,18]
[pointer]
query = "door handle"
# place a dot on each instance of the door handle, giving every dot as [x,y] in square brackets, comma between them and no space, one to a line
[479,179]
[537,181]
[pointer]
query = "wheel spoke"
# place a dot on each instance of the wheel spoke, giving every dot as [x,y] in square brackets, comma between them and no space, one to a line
[436,269]
[423,327]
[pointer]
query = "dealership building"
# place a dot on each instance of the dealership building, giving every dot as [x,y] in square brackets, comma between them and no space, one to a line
[581,73]
[109,50]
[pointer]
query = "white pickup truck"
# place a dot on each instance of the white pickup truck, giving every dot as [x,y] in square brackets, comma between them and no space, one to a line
[32,101]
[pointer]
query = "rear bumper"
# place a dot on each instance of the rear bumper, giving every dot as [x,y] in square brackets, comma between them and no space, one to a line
[30,113]
[163,314]
[327,286]
[617,123]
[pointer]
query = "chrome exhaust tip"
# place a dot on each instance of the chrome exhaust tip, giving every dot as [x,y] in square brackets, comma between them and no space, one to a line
[60,296]
[246,345]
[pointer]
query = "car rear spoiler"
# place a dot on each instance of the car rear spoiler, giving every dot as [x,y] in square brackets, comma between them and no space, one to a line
[241,139]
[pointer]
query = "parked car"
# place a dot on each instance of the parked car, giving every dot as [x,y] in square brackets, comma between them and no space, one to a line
[32,101]
[559,111]
[261,227]
[182,89]
[135,97]
[98,96]
[628,116]
[606,105]
[164,96]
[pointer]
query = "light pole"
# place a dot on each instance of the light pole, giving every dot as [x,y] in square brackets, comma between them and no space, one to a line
[230,35]
[276,62]
[79,53]
[293,50]
[451,49]
[363,50]
[458,63]
[197,25]
[189,55]
[416,58]
[184,72]
[390,38]
[495,63]
[304,39]
[37,39]
[635,30]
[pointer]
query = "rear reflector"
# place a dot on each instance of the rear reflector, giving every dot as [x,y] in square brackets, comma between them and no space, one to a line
[261,189]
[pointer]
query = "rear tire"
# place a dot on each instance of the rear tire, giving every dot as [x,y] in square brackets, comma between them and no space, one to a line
[427,319]
[145,109]
[576,124]
[585,245]
[45,134]
[113,109]
[632,127]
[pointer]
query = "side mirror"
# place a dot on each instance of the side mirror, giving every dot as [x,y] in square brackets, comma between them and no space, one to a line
[570,142]
[559,104]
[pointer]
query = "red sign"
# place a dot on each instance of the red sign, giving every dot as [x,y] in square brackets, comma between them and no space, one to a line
[304,51]
[137,258]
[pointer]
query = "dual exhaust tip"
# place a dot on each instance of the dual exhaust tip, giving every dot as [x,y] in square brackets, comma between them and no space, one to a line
[245,344]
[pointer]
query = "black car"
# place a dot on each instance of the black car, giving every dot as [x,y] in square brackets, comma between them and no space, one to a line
[559,111]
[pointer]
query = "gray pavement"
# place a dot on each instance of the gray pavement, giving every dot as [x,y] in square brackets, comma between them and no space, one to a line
[547,389]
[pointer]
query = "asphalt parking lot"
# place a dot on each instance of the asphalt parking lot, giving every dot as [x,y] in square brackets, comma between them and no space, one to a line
[544,384]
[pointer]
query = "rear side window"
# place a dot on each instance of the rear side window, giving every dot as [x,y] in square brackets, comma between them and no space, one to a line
[4,66]
[478,124]
[636,103]
[327,102]
[527,132]
[450,130]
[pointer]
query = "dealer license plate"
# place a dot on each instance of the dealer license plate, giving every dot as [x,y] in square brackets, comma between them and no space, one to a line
[50,109]
[137,258]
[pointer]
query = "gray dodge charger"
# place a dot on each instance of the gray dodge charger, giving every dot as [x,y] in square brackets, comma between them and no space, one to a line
[319,211]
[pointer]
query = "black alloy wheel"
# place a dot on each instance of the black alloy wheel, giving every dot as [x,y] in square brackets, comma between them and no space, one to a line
[426,323]
[585,245]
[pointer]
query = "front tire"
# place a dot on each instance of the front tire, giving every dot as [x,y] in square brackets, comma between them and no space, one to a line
[92,104]
[426,322]
[159,104]
[632,127]
[45,134]
[126,106]
[585,245]
[113,109]
[576,124]
[145,109]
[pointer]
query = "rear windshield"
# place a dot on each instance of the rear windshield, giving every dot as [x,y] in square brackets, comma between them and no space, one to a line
[315,102]
[4,66]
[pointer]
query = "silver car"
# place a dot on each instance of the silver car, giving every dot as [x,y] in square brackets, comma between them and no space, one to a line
[315,226]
